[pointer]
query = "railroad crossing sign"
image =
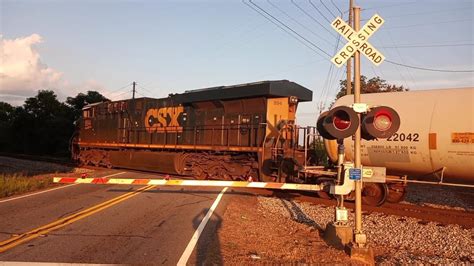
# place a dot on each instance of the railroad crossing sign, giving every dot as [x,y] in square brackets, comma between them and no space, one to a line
[358,41]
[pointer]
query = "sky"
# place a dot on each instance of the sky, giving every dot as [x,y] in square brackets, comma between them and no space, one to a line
[173,46]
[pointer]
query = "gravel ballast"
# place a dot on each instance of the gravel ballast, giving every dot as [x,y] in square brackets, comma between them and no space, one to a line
[395,239]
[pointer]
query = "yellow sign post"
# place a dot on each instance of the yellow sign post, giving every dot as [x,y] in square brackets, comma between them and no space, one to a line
[358,41]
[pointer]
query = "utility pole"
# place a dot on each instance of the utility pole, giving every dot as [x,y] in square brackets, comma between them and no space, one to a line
[133,91]
[349,62]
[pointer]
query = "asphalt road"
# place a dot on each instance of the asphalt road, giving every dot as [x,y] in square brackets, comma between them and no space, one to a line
[152,226]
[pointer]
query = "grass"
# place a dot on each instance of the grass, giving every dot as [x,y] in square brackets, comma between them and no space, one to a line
[11,184]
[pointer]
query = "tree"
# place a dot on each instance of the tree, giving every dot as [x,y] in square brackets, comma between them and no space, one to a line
[81,100]
[43,125]
[43,105]
[6,118]
[5,111]
[373,85]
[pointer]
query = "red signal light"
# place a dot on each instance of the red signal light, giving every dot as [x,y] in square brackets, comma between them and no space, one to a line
[380,122]
[341,120]
[339,123]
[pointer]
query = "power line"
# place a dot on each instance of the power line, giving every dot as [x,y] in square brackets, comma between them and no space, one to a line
[283,29]
[388,32]
[141,94]
[429,45]
[429,24]
[321,13]
[421,13]
[390,5]
[340,12]
[291,68]
[143,88]
[287,27]
[299,23]
[123,93]
[312,18]
[330,79]
[121,88]
[430,69]
[326,8]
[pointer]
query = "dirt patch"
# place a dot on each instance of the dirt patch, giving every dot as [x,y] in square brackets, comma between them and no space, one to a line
[251,235]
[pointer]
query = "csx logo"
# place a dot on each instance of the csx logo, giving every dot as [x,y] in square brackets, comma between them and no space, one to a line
[156,120]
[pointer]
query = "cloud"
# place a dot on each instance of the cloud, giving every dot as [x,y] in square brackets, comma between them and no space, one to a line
[23,73]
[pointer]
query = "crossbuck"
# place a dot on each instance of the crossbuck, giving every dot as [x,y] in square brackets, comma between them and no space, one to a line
[357,41]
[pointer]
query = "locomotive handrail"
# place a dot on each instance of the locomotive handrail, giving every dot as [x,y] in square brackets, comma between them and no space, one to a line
[253,128]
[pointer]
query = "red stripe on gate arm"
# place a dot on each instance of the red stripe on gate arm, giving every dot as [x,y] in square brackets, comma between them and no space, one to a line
[67,180]
[141,181]
[100,180]
[274,185]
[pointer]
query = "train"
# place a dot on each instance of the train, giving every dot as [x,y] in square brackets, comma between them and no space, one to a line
[238,132]
[248,132]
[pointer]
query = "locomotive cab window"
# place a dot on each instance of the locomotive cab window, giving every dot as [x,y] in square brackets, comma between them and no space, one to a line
[88,113]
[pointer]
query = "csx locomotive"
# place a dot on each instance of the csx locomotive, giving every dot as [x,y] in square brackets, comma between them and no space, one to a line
[230,132]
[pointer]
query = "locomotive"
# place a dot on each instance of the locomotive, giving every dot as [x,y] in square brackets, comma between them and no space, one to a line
[238,132]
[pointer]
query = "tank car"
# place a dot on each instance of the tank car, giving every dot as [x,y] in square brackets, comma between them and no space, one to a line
[435,141]
[436,134]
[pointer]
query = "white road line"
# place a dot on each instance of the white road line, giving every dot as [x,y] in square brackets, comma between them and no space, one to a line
[189,249]
[48,190]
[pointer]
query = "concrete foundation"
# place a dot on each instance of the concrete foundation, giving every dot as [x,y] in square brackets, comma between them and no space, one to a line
[361,254]
[338,236]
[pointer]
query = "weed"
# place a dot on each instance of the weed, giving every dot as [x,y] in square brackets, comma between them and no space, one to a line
[11,184]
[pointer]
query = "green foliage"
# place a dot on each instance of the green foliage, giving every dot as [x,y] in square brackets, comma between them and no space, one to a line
[373,85]
[317,153]
[82,100]
[16,184]
[6,118]
[43,125]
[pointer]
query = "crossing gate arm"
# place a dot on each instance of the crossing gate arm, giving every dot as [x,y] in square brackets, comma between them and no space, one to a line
[192,183]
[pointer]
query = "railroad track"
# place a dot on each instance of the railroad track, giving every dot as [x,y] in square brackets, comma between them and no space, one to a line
[424,213]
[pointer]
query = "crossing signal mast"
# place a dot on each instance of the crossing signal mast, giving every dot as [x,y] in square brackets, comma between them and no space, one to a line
[358,120]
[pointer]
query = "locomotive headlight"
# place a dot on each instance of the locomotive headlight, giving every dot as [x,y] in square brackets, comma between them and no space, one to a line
[293,99]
